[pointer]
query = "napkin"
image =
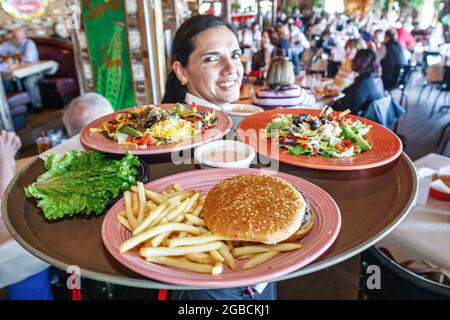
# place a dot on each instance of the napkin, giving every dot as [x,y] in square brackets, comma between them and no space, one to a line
[438,184]
[425,182]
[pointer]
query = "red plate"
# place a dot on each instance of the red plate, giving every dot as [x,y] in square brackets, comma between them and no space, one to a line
[325,230]
[386,146]
[96,141]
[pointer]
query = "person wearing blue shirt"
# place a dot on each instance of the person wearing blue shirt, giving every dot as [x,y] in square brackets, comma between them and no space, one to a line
[28,54]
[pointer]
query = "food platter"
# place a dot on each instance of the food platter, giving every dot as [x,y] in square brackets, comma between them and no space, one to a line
[97,141]
[325,231]
[386,146]
[59,243]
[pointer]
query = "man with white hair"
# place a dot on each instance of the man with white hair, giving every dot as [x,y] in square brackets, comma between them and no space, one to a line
[83,110]
[28,54]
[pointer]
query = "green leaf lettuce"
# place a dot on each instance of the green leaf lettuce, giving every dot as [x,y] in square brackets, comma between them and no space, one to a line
[81,183]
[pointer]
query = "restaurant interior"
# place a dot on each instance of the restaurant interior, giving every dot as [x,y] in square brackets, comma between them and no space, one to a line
[378,198]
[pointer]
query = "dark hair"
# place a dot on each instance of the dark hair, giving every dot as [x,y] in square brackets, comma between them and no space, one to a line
[272,35]
[391,34]
[183,46]
[366,63]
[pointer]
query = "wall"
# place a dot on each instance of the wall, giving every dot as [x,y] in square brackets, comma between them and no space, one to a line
[57,11]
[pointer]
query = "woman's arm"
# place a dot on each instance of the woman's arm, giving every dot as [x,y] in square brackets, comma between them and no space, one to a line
[9,145]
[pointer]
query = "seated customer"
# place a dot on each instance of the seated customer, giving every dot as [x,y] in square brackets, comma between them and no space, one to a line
[281,89]
[267,50]
[28,54]
[83,110]
[367,86]
[346,75]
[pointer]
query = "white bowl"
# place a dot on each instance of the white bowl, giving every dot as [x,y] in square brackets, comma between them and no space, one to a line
[225,145]
[238,116]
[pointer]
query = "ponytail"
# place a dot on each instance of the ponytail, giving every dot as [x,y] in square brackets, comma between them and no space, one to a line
[175,91]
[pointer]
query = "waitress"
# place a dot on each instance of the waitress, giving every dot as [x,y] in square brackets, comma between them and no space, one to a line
[207,70]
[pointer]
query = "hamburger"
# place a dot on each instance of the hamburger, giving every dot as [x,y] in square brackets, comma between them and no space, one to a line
[305,228]
[257,208]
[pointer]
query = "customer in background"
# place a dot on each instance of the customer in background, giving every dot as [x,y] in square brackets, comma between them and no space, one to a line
[281,90]
[83,110]
[377,40]
[298,40]
[267,50]
[60,31]
[256,32]
[25,49]
[368,85]
[392,59]
[346,76]
[404,37]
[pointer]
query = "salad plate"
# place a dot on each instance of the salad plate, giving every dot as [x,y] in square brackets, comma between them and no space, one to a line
[326,140]
[151,130]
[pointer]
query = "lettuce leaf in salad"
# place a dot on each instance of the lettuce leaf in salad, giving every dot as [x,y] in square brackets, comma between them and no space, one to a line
[299,150]
[81,183]
[337,154]
[360,128]
[282,122]
[332,141]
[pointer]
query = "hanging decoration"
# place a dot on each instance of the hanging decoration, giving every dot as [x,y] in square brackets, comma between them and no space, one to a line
[24,9]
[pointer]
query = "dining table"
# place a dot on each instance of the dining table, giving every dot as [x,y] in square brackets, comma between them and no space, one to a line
[425,233]
[19,71]
[308,82]
[23,70]
[365,220]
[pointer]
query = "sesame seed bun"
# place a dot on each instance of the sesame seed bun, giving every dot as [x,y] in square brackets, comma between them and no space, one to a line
[254,207]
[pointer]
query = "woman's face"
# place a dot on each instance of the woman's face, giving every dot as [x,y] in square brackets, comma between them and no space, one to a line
[266,38]
[214,71]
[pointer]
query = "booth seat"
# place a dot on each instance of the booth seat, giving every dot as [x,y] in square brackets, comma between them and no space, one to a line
[60,88]
[17,102]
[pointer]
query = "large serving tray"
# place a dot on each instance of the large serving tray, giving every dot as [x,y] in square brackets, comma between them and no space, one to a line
[372,202]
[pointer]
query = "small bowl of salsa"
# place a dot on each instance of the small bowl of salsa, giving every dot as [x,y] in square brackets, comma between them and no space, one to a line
[224,154]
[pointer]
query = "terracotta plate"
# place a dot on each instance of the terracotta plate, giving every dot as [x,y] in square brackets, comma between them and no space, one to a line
[386,146]
[96,141]
[325,231]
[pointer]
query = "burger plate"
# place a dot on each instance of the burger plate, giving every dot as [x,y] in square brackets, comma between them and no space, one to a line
[322,236]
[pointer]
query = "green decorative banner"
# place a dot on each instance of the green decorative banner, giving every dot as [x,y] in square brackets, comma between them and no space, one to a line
[106,32]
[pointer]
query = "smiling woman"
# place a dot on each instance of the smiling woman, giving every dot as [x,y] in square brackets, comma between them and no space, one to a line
[207,70]
[206,63]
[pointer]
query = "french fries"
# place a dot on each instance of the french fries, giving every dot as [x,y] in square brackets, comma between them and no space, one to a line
[246,250]
[259,258]
[167,228]
[174,262]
